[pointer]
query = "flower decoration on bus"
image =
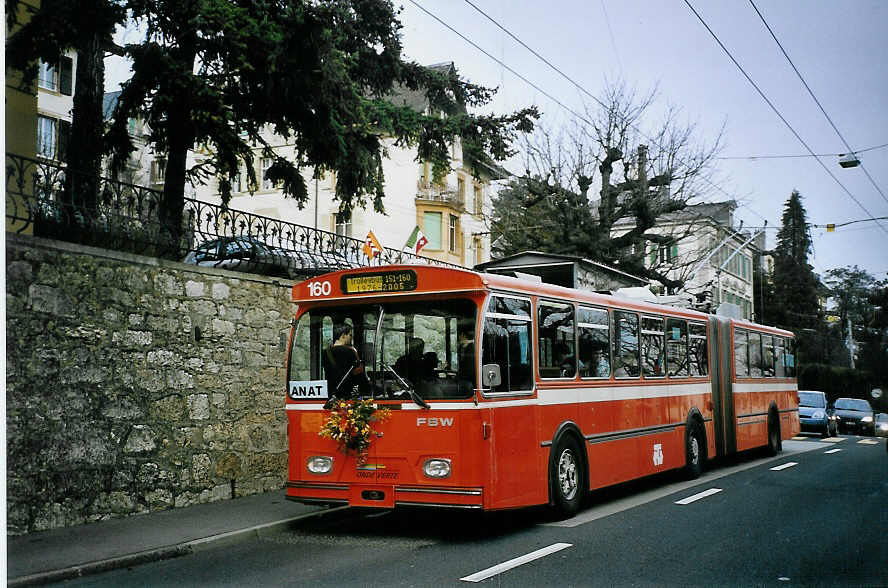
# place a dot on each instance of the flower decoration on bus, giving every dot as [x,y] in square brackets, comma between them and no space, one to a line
[350,425]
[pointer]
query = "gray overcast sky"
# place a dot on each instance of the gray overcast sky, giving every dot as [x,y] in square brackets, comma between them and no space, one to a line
[840,48]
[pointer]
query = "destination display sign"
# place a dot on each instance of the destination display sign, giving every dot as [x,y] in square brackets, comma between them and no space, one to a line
[394,281]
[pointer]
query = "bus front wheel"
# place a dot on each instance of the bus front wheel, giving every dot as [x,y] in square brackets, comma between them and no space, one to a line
[567,477]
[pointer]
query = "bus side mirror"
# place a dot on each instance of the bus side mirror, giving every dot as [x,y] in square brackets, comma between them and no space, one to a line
[490,375]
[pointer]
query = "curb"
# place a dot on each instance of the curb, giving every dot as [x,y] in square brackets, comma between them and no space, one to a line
[161,553]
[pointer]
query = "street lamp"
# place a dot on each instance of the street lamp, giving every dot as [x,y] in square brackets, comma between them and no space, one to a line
[848,160]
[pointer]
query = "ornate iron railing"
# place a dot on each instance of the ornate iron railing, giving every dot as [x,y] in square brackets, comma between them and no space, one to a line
[45,198]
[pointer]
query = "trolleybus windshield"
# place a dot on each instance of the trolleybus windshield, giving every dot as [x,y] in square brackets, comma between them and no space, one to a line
[421,349]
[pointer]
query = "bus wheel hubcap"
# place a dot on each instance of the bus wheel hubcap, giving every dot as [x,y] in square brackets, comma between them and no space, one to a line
[567,474]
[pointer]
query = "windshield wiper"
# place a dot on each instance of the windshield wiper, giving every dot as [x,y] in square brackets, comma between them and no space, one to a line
[407,387]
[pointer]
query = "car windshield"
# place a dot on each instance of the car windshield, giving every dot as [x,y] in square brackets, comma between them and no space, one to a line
[812,399]
[853,404]
[424,347]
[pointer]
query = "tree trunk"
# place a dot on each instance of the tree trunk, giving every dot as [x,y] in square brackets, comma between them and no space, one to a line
[84,146]
[180,139]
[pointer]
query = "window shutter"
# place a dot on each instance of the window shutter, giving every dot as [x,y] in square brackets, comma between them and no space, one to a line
[673,252]
[66,76]
[64,135]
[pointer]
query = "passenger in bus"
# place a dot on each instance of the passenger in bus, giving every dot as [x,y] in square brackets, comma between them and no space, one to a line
[410,365]
[428,384]
[600,363]
[566,360]
[627,366]
[342,365]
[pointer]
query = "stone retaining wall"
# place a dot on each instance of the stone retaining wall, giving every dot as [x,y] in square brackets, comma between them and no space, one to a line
[136,385]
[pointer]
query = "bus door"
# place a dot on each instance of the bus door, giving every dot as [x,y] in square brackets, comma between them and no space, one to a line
[512,422]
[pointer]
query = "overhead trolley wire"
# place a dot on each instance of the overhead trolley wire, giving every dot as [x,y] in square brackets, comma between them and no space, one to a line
[779,115]
[816,101]
[565,76]
[799,155]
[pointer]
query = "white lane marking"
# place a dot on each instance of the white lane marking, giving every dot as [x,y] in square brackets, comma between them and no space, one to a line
[698,496]
[628,501]
[788,464]
[514,563]
[831,451]
[867,442]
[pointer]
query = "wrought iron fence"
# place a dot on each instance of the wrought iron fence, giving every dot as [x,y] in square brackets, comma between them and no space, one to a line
[45,198]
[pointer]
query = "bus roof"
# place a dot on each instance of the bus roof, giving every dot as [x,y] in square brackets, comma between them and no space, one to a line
[403,280]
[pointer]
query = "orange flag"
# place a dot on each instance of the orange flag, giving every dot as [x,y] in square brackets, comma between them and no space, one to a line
[371,248]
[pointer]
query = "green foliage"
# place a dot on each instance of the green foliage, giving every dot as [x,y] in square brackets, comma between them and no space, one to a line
[836,382]
[220,73]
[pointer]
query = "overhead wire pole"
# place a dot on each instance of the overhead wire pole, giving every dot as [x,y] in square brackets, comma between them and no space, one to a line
[777,112]
[816,101]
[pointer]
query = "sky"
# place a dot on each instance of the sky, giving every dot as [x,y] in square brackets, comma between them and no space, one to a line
[840,49]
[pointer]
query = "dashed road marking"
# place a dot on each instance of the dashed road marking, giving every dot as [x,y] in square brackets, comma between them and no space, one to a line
[788,464]
[867,442]
[831,451]
[514,563]
[698,496]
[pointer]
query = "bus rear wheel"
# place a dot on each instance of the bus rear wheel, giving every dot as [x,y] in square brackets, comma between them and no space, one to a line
[567,478]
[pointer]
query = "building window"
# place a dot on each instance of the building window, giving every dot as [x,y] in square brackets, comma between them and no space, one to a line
[57,77]
[461,191]
[431,227]
[266,163]
[158,170]
[52,137]
[478,249]
[453,232]
[343,225]
[479,200]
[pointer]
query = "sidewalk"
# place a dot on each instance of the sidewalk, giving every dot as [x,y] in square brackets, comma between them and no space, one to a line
[51,556]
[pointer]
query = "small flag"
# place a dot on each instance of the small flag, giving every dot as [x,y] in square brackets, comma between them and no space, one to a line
[371,248]
[416,240]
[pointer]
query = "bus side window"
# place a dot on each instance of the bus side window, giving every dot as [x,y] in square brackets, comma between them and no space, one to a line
[779,359]
[677,348]
[557,355]
[652,347]
[741,360]
[625,344]
[594,343]
[789,358]
[768,356]
[506,342]
[755,355]
[699,350]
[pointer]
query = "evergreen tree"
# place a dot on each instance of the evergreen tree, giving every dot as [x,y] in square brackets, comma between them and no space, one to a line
[795,285]
[217,73]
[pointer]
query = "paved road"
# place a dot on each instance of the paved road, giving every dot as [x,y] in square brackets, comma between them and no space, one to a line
[814,515]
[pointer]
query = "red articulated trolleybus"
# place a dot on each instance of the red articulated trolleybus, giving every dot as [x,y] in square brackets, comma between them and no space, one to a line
[506,393]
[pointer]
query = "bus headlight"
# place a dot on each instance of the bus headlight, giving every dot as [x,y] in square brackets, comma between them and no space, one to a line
[319,464]
[436,468]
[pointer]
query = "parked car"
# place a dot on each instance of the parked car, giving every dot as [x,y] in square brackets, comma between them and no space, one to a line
[815,414]
[881,424]
[855,416]
[249,254]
